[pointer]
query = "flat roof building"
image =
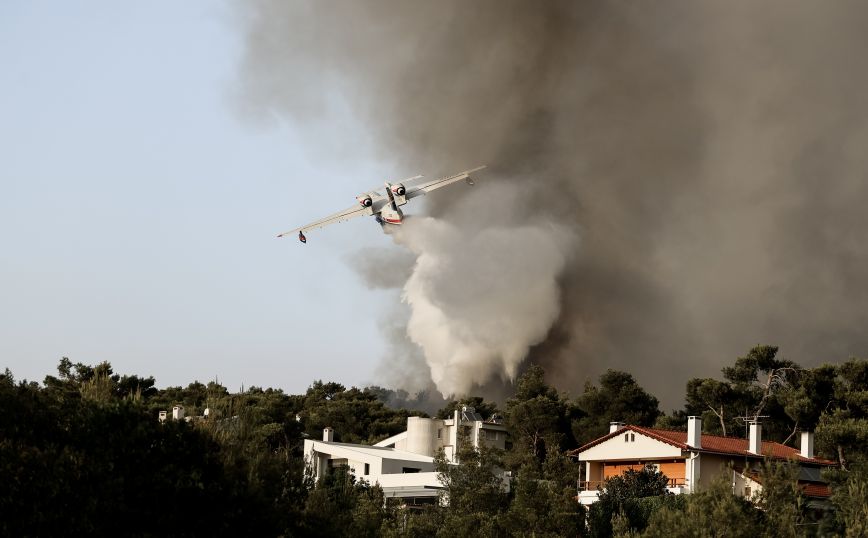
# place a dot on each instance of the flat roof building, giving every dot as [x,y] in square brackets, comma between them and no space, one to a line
[403,465]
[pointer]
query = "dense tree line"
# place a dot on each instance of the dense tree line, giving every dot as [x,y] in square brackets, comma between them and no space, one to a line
[84,454]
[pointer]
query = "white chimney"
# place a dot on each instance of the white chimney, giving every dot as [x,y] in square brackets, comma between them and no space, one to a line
[694,432]
[615,426]
[755,441]
[328,434]
[807,445]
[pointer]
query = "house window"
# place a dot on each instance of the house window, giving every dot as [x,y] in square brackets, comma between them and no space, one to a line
[626,437]
[747,491]
[632,437]
[367,468]
[337,463]
[439,433]
[410,470]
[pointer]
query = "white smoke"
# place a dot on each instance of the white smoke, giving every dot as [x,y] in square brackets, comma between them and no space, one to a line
[481,297]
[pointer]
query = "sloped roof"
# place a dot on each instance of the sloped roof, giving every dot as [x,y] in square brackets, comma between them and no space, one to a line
[714,444]
[810,488]
[815,489]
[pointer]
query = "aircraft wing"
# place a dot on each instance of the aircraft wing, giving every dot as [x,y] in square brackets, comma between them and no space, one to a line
[424,188]
[347,214]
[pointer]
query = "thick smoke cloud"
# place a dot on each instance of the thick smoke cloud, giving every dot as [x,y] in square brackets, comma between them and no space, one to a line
[709,157]
[479,300]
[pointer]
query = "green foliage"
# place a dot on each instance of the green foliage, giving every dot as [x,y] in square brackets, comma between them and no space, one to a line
[677,420]
[784,507]
[618,398]
[842,431]
[544,505]
[339,505]
[759,383]
[627,501]
[357,416]
[850,501]
[77,466]
[84,454]
[538,419]
[716,402]
[476,486]
[483,408]
[711,513]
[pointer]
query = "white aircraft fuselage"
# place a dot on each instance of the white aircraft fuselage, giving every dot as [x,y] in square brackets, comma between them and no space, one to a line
[392,214]
[385,209]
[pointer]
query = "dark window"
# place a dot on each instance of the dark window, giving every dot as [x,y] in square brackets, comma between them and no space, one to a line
[410,470]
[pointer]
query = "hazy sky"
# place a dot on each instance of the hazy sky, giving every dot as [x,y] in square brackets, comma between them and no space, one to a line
[138,208]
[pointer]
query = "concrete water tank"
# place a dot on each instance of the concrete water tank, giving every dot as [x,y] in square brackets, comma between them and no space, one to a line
[421,435]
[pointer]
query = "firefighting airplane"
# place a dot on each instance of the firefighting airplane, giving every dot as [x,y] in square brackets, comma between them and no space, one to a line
[385,209]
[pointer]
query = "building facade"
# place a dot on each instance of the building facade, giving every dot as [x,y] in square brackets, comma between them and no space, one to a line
[403,465]
[692,460]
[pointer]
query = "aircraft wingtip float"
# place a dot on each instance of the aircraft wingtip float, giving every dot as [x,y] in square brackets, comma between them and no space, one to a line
[385,209]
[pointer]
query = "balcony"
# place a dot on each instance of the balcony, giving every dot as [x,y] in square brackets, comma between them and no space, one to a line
[595,485]
[589,490]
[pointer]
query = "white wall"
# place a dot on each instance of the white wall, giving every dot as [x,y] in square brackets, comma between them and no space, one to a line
[422,435]
[643,447]
[740,481]
[407,480]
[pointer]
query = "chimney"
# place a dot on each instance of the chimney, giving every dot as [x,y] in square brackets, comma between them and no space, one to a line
[755,442]
[615,426]
[328,434]
[694,432]
[807,445]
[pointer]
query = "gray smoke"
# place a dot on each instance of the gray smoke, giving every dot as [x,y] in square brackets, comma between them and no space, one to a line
[709,157]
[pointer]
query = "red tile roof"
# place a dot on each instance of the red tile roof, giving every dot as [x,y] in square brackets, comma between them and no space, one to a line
[809,488]
[711,444]
[815,489]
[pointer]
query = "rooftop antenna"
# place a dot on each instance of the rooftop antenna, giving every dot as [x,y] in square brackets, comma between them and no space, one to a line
[747,419]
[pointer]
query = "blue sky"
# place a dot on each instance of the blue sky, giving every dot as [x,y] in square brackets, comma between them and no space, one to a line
[138,208]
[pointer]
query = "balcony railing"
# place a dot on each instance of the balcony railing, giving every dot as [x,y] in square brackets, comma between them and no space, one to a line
[596,485]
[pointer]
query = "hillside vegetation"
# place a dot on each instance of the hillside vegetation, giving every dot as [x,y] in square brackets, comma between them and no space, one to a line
[83,453]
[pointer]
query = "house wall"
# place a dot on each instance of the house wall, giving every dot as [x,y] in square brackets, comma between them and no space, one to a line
[429,479]
[493,435]
[422,435]
[710,467]
[741,483]
[595,471]
[636,447]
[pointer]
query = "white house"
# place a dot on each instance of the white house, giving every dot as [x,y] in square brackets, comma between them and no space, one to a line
[692,460]
[403,465]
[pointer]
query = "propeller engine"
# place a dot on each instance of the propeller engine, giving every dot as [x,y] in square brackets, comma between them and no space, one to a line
[365,200]
[399,190]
